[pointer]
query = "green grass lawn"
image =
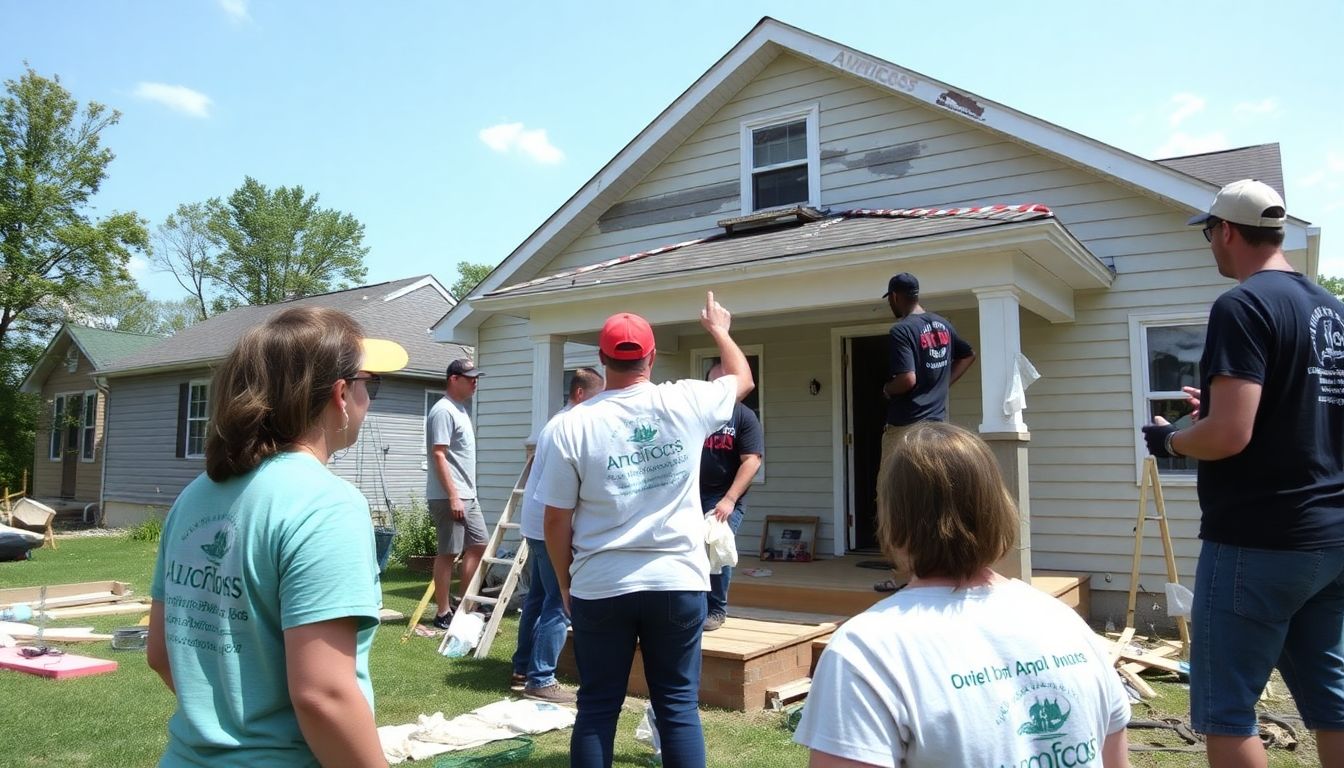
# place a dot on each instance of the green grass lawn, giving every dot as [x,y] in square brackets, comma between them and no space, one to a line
[120,719]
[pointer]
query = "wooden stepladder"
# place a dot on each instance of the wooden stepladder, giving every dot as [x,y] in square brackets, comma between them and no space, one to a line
[473,598]
[1150,479]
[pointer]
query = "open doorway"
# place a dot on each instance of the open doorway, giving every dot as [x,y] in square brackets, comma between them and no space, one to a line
[866,413]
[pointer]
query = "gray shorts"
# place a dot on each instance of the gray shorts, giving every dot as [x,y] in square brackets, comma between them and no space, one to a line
[456,535]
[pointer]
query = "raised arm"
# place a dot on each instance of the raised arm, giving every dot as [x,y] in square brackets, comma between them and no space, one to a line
[716,320]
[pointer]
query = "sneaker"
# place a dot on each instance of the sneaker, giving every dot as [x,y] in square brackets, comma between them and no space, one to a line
[713,621]
[552,693]
[442,622]
[517,682]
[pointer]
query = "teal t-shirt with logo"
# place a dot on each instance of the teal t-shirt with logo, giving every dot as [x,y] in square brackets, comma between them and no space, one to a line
[239,563]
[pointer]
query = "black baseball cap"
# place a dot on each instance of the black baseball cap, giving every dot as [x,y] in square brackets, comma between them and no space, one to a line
[905,283]
[464,367]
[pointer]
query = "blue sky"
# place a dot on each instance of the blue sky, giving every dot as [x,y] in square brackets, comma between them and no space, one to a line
[452,130]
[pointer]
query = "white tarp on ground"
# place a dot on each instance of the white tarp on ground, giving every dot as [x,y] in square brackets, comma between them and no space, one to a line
[433,734]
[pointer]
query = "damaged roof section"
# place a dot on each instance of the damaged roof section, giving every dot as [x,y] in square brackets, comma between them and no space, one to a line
[844,230]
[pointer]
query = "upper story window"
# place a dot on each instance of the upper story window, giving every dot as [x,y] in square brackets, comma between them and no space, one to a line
[1164,355]
[193,417]
[89,434]
[781,161]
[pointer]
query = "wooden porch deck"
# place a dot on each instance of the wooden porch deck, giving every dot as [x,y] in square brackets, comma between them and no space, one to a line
[778,625]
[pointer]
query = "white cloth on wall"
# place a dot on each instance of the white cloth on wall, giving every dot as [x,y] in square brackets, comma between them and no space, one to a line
[1024,375]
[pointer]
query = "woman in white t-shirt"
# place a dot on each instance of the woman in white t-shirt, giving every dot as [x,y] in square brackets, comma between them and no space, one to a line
[963,666]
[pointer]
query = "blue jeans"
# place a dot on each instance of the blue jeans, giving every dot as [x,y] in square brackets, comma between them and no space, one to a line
[1258,608]
[666,625]
[542,626]
[718,583]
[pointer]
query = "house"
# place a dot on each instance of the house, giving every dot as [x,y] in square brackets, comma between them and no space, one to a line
[158,400]
[68,452]
[793,178]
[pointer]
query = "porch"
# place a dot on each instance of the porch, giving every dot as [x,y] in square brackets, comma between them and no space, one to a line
[778,625]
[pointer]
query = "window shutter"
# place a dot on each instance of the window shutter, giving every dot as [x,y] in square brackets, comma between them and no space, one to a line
[183,395]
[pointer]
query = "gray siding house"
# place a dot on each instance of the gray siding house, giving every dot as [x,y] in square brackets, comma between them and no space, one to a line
[158,401]
[1039,244]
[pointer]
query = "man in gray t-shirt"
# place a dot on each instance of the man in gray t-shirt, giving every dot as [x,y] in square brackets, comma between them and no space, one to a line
[450,485]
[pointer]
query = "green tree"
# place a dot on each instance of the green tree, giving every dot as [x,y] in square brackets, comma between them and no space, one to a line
[51,165]
[51,248]
[185,248]
[278,244]
[468,276]
[1334,285]
[124,306]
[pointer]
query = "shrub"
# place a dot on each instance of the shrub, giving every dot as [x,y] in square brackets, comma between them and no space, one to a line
[415,531]
[149,530]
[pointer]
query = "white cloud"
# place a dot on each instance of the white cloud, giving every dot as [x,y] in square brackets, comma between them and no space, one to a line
[137,265]
[1312,179]
[176,97]
[515,138]
[1181,143]
[1334,161]
[236,9]
[1187,104]
[1262,107]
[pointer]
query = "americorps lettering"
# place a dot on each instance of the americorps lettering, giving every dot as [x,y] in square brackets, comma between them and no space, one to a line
[872,70]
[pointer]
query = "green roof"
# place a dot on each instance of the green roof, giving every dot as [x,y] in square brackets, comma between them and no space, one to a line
[105,347]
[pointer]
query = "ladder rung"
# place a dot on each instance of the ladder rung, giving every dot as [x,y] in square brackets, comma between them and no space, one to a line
[1152,519]
[482,599]
[498,560]
[510,526]
[517,491]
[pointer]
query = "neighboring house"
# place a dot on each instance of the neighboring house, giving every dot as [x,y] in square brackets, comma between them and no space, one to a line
[158,400]
[1101,286]
[68,452]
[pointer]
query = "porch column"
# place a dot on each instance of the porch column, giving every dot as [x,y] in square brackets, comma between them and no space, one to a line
[1000,426]
[548,378]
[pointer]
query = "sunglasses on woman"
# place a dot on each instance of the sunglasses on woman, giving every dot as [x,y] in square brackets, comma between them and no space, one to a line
[371,383]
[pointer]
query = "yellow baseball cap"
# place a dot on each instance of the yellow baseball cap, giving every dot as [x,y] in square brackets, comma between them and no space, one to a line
[383,356]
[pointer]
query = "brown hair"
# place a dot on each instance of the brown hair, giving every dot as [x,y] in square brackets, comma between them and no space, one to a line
[585,379]
[272,388]
[942,503]
[638,365]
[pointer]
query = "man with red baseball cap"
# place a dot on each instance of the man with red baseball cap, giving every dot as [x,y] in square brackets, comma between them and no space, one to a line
[626,534]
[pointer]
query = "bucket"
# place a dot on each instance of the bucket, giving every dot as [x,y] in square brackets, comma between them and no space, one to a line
[382,541]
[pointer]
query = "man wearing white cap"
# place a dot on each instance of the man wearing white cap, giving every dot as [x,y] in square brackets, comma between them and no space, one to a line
[1269,436]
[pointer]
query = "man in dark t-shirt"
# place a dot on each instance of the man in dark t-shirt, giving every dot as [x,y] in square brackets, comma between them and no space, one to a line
[1269,436]
[728,462]
[926,358]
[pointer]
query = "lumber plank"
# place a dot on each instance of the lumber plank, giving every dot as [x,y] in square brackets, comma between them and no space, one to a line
[79,612]
[21,631]
[1145,690]
[31,594]
[1125,638]
[1154,662]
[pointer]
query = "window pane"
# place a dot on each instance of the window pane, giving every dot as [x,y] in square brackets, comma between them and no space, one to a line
[779,187]
[90,410]
[1177,412]
[1173,357]
[57,411]
[753,399]
[88,443]
[196,438]
[779,144]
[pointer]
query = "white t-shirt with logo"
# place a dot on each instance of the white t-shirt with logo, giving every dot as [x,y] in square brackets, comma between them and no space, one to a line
[1003,675]
[628,463]
[532,519]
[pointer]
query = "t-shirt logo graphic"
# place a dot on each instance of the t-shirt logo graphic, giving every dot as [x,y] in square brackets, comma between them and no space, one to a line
[1046,719]
[643,433]
[216,549]
[1327,337]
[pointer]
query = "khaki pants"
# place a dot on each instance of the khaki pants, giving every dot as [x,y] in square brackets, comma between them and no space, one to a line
[891,435]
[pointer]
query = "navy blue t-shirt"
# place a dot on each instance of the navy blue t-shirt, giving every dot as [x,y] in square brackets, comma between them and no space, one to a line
[722,455]
[1285,490]
[926,344]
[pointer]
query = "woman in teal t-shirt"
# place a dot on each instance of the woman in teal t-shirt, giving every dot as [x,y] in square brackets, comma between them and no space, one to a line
[266,590]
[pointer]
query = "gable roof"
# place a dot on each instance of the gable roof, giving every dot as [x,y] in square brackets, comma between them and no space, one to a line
[400,310]
[100,347]
[739,66]
[1261,161]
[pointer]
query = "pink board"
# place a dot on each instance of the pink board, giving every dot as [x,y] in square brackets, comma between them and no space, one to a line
[58,667]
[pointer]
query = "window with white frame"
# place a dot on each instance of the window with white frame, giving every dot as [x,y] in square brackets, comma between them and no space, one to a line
[87,434]
[1165,352]
[781,161]
[57,426]
[198,415]
[704,359]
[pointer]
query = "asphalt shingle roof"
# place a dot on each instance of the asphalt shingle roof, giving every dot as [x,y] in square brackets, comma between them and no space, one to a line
[850,229]
[405,320]
[106,347]
[1261,161]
